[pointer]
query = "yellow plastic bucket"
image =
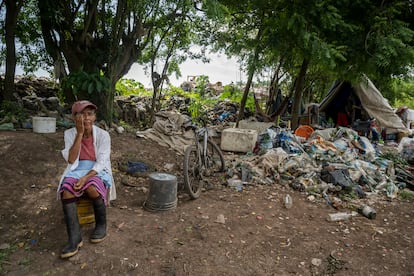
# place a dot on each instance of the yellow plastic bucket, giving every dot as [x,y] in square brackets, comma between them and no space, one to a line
[86,214]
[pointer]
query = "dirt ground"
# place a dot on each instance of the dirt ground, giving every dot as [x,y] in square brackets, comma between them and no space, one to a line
[257,237]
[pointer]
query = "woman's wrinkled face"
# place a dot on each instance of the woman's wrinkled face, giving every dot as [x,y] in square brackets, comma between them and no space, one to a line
[88,116]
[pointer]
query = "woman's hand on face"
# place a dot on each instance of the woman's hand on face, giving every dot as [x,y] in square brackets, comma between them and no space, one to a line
[80,128]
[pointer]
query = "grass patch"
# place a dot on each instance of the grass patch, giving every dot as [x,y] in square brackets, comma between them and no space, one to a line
[406,195]
[25,262]
[4,256]
[128,128]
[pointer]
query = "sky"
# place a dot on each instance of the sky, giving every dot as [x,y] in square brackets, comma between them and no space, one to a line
[219,68]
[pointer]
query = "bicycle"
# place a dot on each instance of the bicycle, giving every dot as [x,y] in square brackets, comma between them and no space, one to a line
[201,160]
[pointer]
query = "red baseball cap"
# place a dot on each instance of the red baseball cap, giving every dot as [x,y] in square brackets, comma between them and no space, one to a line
[81,105]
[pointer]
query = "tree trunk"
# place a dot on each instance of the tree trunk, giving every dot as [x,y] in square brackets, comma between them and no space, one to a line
[273,90]
[244,98]
[12,10]
[156,80]
[154,102]
[298,93]
[108,102]
[272,93]
[252,69]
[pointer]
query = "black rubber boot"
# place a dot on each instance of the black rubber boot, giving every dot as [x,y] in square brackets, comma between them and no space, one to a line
[70,212]
[99,233]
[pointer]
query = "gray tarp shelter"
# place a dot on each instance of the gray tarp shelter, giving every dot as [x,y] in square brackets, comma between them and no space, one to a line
[363,101]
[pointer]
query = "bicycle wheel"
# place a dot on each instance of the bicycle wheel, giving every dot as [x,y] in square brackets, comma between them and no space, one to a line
[215,158]
[192,172]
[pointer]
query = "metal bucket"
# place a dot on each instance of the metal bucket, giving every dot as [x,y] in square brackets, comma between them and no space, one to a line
[162,194]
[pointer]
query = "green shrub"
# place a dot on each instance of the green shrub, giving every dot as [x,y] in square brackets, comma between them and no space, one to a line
[126,87]
[234,94]
[9,109]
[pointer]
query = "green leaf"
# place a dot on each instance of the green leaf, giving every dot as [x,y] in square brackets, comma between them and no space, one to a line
[99,86]
[90,88]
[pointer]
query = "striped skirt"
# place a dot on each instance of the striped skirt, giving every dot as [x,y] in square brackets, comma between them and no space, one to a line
[69,183]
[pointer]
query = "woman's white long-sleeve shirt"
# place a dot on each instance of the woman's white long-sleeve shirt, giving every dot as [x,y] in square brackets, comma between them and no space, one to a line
[102,145]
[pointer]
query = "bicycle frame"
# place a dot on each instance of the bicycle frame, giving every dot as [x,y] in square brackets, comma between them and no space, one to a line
[202,134]
[201,160]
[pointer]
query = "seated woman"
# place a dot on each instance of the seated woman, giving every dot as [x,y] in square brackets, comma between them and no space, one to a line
[88,174]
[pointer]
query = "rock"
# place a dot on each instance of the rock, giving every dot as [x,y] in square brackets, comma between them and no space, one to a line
[4,246]
[120,129]
[221,219]
[316,261]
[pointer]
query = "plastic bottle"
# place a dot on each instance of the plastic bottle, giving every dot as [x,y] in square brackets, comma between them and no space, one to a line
[390,171]
[341,216]
[288,201]
[367,212]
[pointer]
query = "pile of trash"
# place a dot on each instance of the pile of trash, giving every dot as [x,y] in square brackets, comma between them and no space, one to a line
[335,160]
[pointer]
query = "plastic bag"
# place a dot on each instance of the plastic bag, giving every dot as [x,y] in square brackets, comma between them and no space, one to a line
[406,149]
